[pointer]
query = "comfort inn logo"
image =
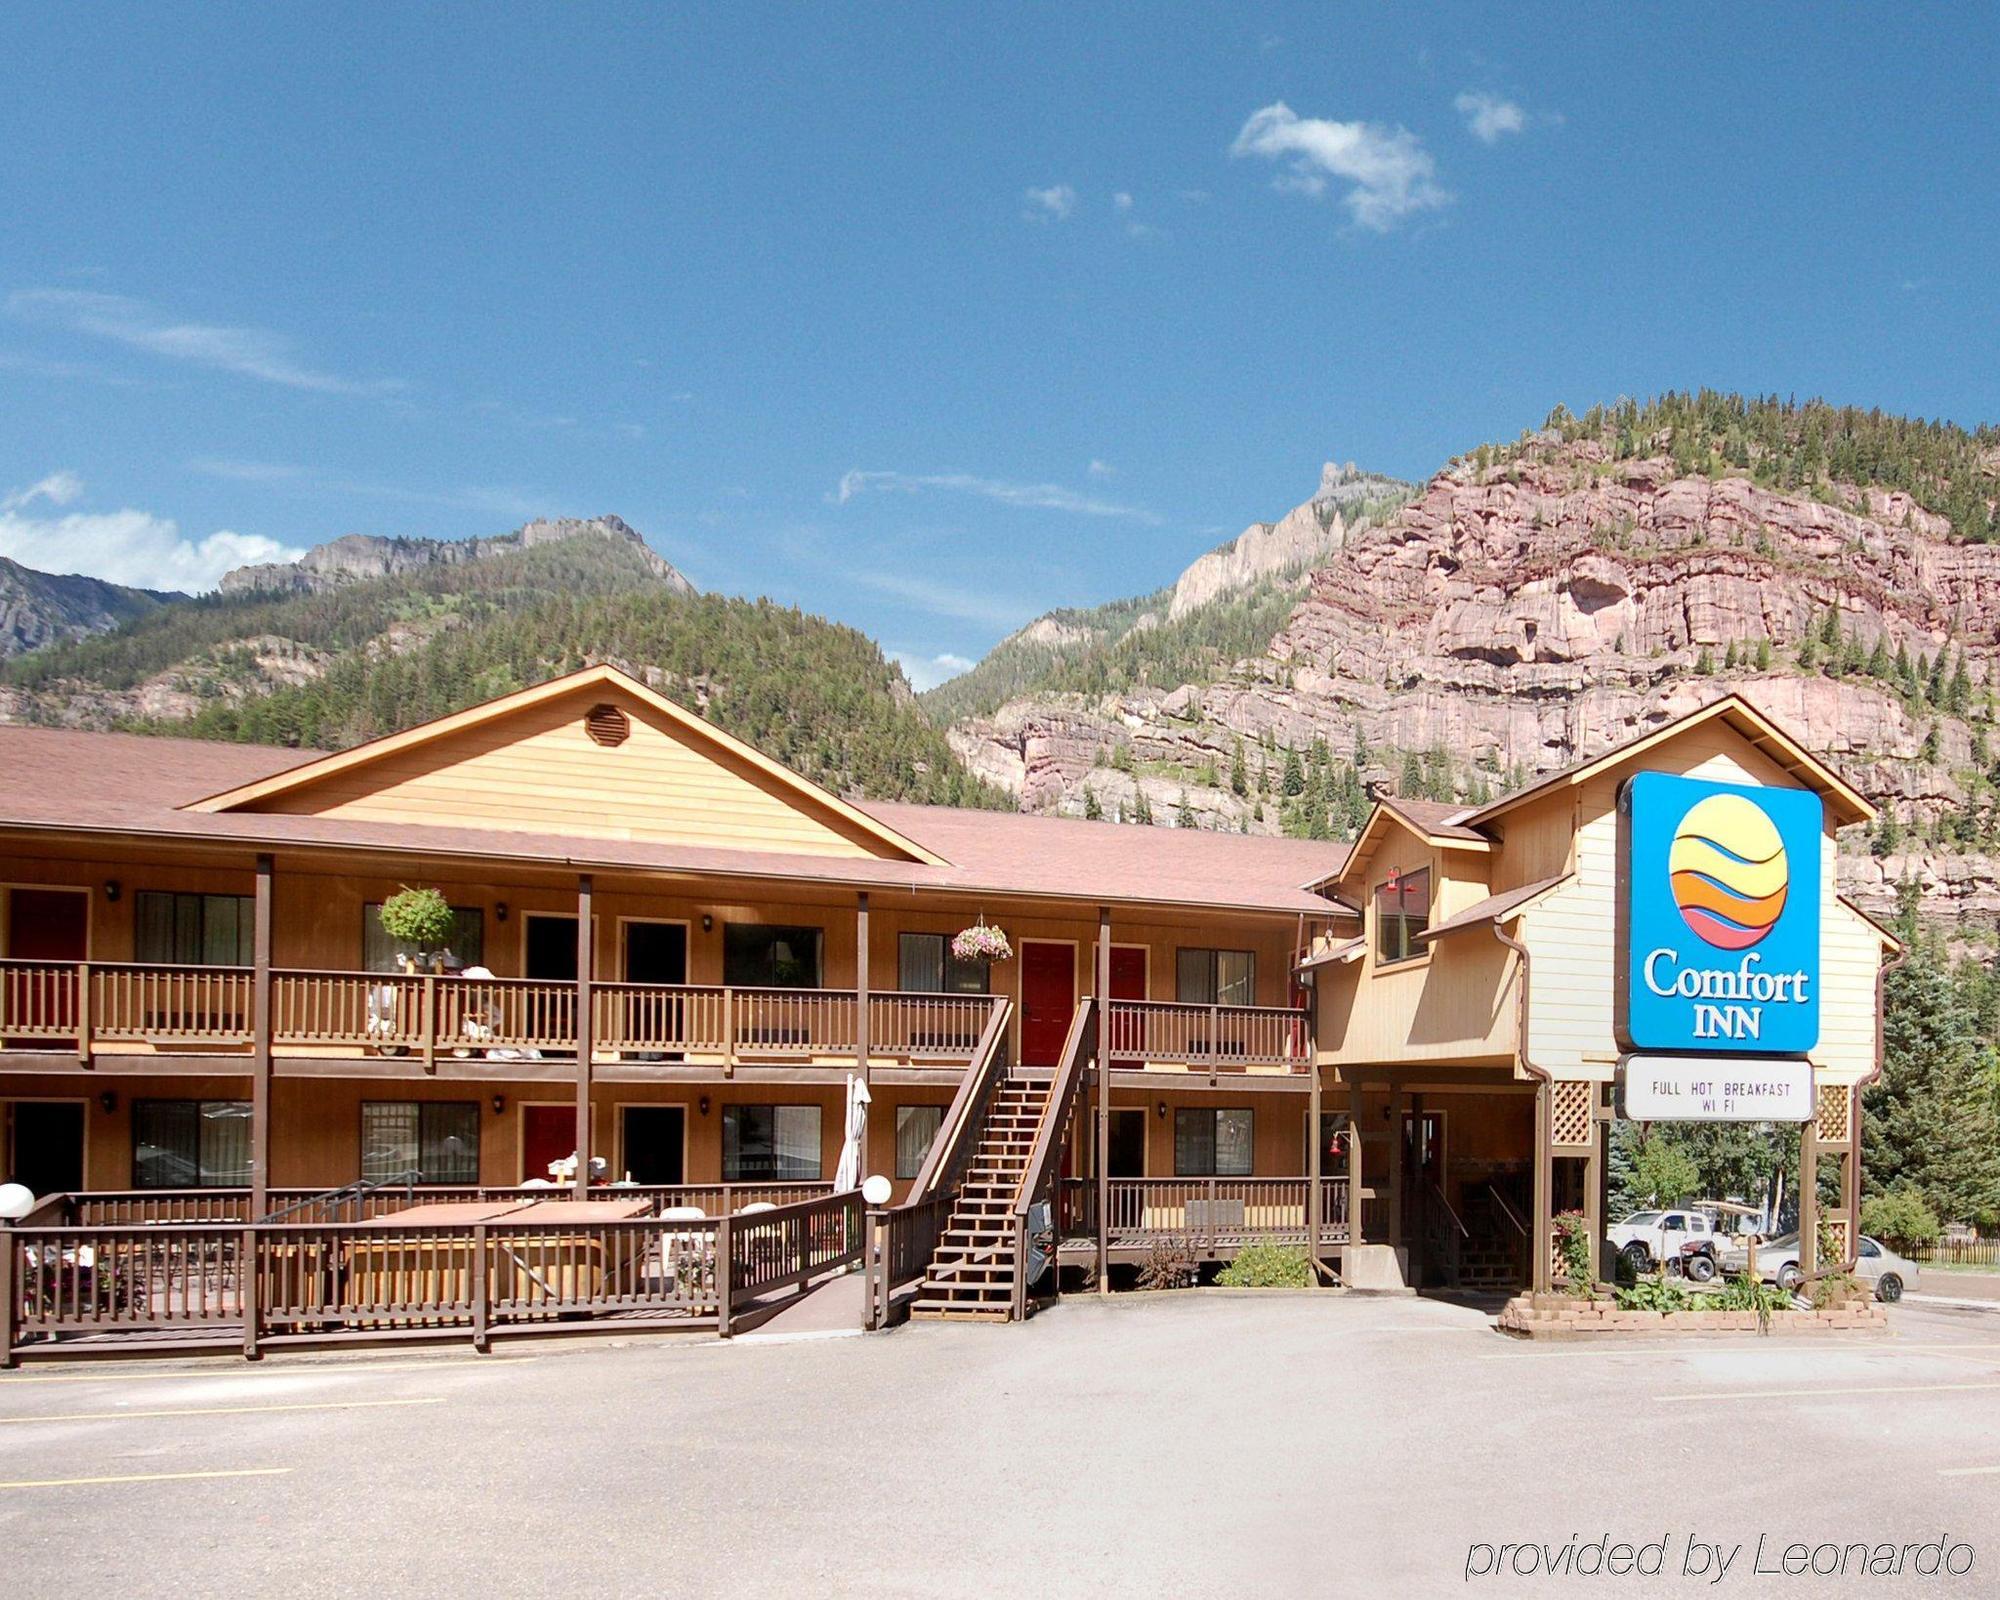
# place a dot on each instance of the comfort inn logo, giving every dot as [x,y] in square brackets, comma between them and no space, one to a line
[1721,916]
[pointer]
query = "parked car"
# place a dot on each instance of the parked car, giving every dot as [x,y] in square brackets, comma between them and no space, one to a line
[1876,1263]
[1649,1236]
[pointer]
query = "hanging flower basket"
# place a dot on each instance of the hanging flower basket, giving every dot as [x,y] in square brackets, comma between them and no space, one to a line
[982,943]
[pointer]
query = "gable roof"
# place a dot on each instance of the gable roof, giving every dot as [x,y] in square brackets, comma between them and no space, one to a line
[1495,908]
[142,787]
[1436,823]
[1844,802]
[796,789]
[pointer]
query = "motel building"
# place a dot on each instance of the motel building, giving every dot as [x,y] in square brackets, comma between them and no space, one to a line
[246,1116]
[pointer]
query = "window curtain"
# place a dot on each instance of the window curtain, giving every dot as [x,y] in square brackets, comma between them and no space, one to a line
[770,1144]
[1214,1143]
[189,1144]
[916,1131]
[192,929]
[925,965]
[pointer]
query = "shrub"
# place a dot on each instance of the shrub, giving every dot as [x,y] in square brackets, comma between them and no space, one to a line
[1573,1245]
[1267,1266]
[1171,1264]
[422,917]
[1836,1289]
[1655,1293]
[1902,1217]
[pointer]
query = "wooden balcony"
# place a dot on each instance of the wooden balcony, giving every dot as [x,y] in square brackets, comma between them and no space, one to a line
[1213,1217]
[1209,1038]
[95,1008]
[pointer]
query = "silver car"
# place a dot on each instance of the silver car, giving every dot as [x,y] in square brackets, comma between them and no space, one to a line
[1778,1262]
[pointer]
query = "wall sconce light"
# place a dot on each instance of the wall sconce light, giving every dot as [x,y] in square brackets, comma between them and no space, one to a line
[703,1103]
[707,923]
[107,1102]
[1162,1109]
[499,1104]
[111,889]
[500,911]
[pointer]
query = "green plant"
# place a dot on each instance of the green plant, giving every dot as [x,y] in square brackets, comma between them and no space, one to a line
[1170,1264]
[1655,1292]
[1902,1217]
[1836,1289]
[1573,1246]
[1267,1266]
[420,917]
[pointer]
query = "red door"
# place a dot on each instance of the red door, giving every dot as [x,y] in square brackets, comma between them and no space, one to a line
[548,1133]
[45,925]
[1048,1000]
[1128,982]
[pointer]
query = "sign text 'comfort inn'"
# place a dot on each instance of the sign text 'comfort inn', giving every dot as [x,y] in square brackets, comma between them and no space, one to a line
[1722,917]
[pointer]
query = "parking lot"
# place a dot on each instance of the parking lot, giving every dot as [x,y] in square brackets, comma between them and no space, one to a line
[1202,1444]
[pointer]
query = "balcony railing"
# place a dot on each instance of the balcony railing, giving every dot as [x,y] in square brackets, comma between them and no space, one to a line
[1209,1038]
[1205,1213]
[197,1009]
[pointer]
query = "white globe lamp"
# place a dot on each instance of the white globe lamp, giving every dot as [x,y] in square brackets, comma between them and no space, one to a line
[16,1201]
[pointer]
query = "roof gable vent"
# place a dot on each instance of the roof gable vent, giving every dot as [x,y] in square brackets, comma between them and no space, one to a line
[608,726]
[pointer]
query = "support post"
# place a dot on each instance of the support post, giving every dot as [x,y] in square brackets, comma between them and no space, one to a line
[1102,1154]
[247,1276]
[1850,1171]
[585,960]
[1593,1184]
[10,1296]
[1314,1155]
[861,1039]
[1809,1261]
[481,1292]
[723,1286]
[83,1025]
[1396,1174]
[1542,1225]
[260,1042]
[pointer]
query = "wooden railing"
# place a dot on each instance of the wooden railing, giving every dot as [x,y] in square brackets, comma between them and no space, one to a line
[1039,1176]
[1211,1038]
[193,1009]
[1203,1212]
[220,1283]
[117,1207]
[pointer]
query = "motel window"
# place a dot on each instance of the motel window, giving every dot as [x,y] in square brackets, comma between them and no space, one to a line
[438,1140]
[770,1144]
[759,955]
[210,930]
[925,965]
[380,953]
[916,1131]
[1213,1141]
[1402,911]
[190,1144]
[1216,977]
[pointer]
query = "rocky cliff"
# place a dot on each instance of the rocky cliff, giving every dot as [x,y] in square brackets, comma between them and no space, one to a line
[359,557]
[43,608]
[1533,608]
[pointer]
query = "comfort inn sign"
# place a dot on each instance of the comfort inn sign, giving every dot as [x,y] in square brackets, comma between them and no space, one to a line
[1721,914]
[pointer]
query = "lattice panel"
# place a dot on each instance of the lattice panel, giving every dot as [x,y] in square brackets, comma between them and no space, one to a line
[1831,1117]
[1571,1112]
[1836,1239]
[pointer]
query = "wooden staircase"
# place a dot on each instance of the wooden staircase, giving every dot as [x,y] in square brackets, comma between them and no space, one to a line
[972,1275]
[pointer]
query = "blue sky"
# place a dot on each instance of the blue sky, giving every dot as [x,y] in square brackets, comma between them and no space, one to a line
[931,318]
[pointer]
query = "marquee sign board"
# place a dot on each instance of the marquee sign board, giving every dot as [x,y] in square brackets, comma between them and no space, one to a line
[1714,1089]
[1720,917]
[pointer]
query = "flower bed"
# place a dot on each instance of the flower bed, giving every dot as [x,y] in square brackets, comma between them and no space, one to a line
[1561,1316]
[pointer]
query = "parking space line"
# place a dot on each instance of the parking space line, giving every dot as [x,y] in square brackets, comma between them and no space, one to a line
[145,1477]
[1967,1472]
[1838,1392]
[226,1411]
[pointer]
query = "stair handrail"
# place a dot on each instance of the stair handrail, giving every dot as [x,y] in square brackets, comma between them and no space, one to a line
[1079,1049]
[958,1134]
[1499,1201]
[1457,1222]
[360,1189]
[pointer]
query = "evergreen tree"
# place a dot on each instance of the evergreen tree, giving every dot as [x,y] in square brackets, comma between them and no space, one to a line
[1184,812]
[1295,774]
[1239,776]
[1704,664]
[1763,655]
[1092,810]
[1142,810]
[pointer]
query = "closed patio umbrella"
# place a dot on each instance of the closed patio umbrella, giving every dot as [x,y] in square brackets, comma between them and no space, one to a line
[853,1149]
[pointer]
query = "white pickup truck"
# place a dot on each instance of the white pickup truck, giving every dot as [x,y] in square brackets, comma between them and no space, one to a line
[1648,1237]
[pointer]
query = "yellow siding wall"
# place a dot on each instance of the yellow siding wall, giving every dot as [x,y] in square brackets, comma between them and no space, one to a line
[1572,932]
[539,771]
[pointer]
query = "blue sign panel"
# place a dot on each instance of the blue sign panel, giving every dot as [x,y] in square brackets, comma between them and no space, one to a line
[1721,902]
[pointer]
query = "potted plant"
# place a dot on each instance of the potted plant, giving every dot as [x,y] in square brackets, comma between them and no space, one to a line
[423,918]
[981,942]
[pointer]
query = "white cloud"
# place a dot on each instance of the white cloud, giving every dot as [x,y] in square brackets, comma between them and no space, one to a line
[1031,496]
[948,600]
[1102,469]
[1053,204]
[126,546]
[1121,201]
[927,672]
[1390,173]
[58,488]
[248,352]
[1489,117]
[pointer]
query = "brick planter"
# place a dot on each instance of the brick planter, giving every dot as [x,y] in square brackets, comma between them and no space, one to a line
[1557,1316]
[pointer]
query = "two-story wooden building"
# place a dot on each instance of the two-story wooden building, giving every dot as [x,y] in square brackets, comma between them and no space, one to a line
[682,958]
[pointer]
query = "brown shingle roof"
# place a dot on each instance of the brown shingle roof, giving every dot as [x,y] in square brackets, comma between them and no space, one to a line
[1494,908]
[63,780]
[1435,817]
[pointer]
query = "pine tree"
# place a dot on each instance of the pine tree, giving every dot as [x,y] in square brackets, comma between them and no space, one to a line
[1092,811]
[1239,776]
[1142,811]
[1295,774]
[1729,661]
[1704,664]
[1410,785]
[1184,812]
[1763,655]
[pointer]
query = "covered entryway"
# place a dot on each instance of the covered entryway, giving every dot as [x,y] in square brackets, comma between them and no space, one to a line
[44,1145]
[653,1142]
